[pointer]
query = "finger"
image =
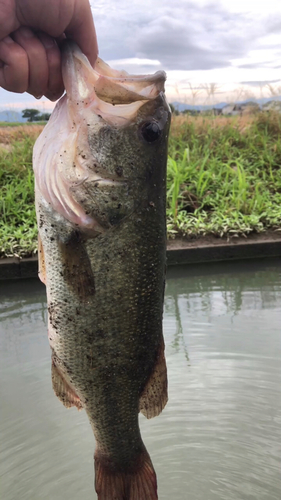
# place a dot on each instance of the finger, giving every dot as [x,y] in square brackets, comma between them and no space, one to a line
[37,59]
[55,87]
[14,66]
[8,18]
[82,30]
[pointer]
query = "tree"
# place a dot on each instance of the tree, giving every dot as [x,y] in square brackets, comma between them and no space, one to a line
[44,117]
[30,114]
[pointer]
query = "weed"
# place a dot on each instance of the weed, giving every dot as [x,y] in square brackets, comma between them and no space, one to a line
[232,181]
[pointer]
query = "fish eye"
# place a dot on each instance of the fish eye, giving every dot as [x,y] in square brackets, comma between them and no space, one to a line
[150,131]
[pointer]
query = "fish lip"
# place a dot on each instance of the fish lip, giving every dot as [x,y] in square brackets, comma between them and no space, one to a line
[104,86]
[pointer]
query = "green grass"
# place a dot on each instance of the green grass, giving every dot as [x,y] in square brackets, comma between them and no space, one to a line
[224,178]
[10,124]
[18,231]
[19,124]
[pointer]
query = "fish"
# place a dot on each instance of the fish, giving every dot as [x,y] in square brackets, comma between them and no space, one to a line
[100,194]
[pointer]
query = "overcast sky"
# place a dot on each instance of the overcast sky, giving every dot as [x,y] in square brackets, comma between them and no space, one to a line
[235,44]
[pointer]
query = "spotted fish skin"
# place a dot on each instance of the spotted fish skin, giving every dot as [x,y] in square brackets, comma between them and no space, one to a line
[100,184]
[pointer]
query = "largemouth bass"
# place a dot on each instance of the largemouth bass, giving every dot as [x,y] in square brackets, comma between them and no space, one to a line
[100,186]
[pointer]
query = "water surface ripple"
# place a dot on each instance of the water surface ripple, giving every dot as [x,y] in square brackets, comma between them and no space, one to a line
[219,437]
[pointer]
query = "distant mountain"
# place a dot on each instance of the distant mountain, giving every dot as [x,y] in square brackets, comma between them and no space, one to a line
[221,105]
[264,100]
[9,115]
[180,106]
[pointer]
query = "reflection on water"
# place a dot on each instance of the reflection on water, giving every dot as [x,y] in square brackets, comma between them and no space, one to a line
[219,437]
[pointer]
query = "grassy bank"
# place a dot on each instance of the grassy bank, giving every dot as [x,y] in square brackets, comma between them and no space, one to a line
[224,178]
[18,232]
[224,175]
[21,124]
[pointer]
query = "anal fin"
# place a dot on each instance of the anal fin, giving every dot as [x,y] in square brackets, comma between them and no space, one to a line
[63,391]
[155,394]
[41,261]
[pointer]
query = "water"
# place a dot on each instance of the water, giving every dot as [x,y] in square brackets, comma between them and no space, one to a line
[219,437]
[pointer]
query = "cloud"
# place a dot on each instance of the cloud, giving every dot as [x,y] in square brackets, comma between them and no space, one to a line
[248,65]
[182,36]
[135,65]
[136,61]
[272,24]
[199,40]
[259,84]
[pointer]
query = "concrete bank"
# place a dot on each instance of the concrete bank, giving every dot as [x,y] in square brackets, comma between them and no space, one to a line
[179,251]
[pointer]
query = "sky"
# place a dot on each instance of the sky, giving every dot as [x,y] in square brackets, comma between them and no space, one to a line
[220,50]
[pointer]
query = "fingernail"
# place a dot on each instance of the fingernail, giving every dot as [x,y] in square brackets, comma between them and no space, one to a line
[26,32]
[47,41]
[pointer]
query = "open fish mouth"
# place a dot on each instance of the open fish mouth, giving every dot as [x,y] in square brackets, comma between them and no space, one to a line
[97,99]
[112,95]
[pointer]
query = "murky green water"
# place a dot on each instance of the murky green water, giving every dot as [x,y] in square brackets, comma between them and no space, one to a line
[219,437]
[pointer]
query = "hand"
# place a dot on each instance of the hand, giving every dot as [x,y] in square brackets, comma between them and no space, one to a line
[30,59]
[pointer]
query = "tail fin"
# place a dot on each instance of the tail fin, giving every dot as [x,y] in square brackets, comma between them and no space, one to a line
[138,484]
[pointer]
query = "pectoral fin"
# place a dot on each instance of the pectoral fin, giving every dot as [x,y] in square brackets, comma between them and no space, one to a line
[41,261]
[77,266]
[63,391]
[154,396]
